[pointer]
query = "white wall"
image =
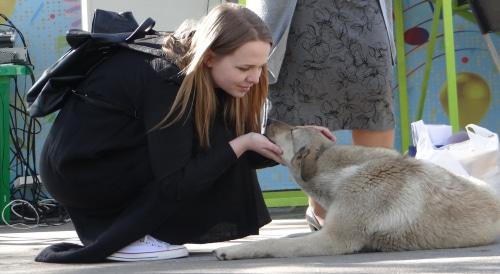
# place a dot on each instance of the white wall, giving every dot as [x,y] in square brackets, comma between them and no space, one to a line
[168,14]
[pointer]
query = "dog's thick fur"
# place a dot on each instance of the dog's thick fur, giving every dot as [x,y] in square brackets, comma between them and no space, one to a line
[376,199]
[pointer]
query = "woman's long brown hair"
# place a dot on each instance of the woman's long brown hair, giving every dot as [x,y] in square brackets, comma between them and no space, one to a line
[226,28]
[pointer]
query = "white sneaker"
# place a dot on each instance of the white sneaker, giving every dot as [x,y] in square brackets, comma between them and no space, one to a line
[149,249]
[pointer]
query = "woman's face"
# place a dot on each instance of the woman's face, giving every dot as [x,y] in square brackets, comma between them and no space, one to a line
[237,72]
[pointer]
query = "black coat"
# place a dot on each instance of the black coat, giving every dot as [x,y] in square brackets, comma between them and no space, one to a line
[120,181]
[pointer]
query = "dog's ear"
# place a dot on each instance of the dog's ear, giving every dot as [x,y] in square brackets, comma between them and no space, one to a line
[306,161]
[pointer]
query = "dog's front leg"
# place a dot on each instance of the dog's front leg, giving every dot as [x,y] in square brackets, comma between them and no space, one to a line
[314,244]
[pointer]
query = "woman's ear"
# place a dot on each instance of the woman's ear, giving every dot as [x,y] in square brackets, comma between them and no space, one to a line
[208,60]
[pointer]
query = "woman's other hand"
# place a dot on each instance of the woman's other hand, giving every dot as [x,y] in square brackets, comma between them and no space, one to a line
[325,131]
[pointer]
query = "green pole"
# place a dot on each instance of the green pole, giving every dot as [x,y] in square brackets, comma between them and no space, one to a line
[401,73]
[4,145]
[450,64]
[428,60]
[7,71]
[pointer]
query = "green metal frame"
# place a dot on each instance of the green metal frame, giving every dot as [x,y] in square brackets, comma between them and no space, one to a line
[428,60]
[447,7]
[6,74]
[451,74]
[401,73]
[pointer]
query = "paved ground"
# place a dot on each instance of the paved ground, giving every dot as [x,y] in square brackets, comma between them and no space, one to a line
[18,248]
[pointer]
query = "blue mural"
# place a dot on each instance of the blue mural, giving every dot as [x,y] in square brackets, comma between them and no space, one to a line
[478,81]
[45,22]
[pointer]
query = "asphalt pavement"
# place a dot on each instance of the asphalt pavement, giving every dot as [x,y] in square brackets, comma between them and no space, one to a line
[19,247]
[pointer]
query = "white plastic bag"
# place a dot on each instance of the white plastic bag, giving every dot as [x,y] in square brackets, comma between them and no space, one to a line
[476,157]
[479,154]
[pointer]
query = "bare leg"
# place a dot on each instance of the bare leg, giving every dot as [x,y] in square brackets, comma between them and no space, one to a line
[371,138]
[360,137]
[318,210]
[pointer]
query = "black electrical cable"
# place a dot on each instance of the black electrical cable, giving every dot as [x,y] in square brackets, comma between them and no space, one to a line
[24,165]
[23,131]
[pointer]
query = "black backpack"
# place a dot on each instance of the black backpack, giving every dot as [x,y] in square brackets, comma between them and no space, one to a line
[110,31]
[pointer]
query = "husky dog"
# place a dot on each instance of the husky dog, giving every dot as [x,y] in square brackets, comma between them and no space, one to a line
[376,199]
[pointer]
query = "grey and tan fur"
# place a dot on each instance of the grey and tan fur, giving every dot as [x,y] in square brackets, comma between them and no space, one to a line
[376,199]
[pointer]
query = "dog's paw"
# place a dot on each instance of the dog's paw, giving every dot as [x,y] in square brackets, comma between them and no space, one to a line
[229,253]
[221,254]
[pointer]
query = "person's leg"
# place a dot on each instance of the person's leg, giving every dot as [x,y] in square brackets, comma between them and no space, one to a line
[372,138]
[367,138]
[318,212]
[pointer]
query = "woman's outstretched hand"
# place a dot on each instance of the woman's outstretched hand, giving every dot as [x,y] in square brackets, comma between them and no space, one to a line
[258,143]
[325,131]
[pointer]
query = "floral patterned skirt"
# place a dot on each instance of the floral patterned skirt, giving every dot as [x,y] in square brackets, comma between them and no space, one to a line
[337,67]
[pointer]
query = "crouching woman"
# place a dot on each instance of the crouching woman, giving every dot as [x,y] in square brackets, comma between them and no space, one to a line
[179,166]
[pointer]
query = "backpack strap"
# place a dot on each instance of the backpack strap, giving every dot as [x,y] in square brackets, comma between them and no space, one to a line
[143,29]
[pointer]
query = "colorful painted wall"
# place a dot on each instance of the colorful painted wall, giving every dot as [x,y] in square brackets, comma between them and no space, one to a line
[44,23]
[478,81]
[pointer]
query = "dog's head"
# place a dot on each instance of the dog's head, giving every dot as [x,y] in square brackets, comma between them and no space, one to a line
[301,145]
